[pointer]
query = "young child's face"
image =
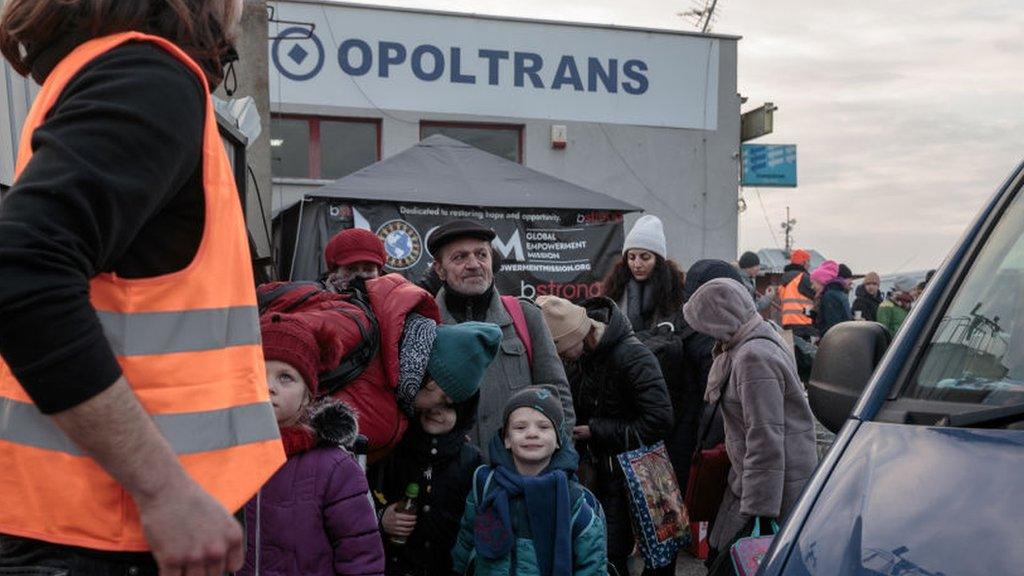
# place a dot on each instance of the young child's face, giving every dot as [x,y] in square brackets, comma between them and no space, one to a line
[530,436]
[288,392]
[430,396]
[437,421]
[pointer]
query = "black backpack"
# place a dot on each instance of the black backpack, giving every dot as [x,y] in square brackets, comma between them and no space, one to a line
[666,342]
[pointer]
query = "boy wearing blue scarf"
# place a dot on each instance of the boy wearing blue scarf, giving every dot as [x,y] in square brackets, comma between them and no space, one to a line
[526,514]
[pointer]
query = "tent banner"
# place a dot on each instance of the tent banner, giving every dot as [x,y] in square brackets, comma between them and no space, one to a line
[544,252]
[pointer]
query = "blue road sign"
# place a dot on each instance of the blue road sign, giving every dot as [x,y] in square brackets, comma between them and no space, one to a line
[769,165]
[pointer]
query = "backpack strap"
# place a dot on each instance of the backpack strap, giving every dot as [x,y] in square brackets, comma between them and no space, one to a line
[264,299]
[584,517]
[515,309]
[481,480]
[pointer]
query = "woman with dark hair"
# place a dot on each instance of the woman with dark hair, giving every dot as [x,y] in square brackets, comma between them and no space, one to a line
[128,300]
[645,284]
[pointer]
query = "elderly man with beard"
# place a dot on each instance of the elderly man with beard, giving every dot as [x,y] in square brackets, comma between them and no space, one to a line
[463,260]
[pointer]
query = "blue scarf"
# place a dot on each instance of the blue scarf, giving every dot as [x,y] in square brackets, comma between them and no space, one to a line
[493,533]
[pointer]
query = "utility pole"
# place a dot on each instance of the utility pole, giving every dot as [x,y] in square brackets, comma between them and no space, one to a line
[788,226]
[708,15]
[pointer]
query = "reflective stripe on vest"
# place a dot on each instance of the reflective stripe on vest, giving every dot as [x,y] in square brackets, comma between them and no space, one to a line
[187,343]
[189,433]
[795,304]
[147,333]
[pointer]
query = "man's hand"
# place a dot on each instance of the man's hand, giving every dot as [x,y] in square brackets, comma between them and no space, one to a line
[191,533]
[397,523]
[581,433]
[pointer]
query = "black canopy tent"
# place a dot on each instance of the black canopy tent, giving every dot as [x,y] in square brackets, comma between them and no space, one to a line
[549,231]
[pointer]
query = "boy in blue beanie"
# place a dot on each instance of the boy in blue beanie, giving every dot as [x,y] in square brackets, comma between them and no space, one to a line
[526,513]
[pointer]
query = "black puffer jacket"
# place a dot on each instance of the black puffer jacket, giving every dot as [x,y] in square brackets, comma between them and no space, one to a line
[443,467]
[867,304]
[688,403]
[618,390]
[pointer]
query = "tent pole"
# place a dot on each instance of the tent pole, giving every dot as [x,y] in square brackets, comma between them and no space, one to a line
[298,234]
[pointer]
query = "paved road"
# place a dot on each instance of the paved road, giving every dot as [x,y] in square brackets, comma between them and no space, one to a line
[687,565]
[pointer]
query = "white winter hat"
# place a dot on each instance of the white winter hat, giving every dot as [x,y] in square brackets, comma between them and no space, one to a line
[647,234]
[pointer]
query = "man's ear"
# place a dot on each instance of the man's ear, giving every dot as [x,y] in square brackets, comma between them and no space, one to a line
[439,270]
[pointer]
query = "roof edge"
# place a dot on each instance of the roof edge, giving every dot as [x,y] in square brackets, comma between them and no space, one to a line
[313,195]
[502,18]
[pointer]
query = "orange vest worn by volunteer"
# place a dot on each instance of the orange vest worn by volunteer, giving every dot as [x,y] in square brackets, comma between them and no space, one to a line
[795,304]
[188,343]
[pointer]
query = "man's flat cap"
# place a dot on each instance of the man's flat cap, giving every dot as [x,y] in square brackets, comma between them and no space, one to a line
[454,230]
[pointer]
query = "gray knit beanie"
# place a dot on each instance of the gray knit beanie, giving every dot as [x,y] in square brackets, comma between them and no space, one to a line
[647,234]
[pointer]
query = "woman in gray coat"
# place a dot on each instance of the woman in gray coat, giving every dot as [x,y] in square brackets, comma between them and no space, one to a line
[769,429]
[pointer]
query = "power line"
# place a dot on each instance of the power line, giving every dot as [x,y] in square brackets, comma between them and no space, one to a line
[334,41]
[767,221]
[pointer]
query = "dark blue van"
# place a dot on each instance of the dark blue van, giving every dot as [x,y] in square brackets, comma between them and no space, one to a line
[926,476]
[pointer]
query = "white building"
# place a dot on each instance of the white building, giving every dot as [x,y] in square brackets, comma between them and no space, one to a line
[16,95]
[648,116]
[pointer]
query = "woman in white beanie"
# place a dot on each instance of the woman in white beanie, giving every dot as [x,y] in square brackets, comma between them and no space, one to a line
[645,284]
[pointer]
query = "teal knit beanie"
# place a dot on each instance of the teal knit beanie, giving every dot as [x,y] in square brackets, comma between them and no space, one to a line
[461,355]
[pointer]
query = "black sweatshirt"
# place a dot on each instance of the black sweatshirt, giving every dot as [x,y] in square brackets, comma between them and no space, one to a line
[114,185]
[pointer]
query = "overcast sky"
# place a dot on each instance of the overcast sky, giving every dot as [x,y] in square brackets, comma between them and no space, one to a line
[907,115]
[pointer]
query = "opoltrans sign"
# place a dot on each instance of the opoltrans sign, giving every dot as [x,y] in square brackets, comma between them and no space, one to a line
[769,165]
[376,58]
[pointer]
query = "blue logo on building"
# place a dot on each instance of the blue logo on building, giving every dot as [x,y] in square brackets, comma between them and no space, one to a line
[402,242]
[297,53]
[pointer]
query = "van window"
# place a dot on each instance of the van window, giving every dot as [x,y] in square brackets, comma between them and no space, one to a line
[976,354]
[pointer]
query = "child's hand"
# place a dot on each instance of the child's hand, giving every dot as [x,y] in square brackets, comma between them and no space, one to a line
[397,523]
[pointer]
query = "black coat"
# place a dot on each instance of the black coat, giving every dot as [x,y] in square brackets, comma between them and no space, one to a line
[833,308]
[443,467]
[867,304]
[618,390]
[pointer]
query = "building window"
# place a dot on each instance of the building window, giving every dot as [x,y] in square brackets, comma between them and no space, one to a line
[322,148]
[504,140]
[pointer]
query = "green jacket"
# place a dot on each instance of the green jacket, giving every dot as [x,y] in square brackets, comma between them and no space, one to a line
[891,316]
[589,545]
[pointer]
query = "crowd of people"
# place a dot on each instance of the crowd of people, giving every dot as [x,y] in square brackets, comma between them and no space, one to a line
[361,424]
[507,415]
[810,302]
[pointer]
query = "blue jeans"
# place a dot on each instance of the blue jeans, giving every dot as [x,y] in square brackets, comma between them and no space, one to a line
[25,557]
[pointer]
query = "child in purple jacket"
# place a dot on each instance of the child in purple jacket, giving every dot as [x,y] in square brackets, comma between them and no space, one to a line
[314,516]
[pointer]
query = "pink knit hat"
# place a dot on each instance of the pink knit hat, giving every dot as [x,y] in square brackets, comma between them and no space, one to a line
[827,272]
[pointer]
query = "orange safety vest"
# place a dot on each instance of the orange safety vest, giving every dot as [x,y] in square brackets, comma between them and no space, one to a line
[188,343]
[795,304]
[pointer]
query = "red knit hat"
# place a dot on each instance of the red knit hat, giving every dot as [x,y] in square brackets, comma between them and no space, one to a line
[290,339]
[354,245]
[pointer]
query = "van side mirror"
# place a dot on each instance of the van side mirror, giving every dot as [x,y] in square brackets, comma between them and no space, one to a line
[846,358]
